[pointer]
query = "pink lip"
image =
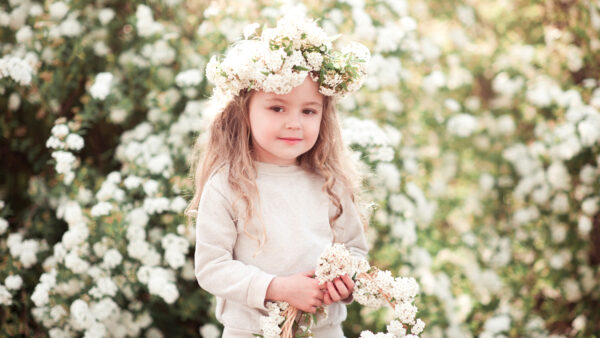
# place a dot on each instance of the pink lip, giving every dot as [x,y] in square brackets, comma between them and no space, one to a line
[290,140]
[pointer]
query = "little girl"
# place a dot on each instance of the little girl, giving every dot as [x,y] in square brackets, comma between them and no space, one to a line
[274,186]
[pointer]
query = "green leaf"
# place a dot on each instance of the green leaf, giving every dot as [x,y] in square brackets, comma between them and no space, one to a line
[300,68]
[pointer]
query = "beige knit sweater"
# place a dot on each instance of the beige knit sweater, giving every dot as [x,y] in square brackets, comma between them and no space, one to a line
[296,214]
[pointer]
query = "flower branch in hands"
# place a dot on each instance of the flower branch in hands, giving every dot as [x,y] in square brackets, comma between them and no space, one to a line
[368,286]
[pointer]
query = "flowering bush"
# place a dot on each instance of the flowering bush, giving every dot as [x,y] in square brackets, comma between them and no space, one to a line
[479,121]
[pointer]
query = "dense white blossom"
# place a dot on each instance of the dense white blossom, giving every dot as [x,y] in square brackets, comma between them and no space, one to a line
[70,27]
[5,296]
[333,262]
[74,142]
[176,247]
[101,87]
[65,162]
[146,26]
[58,10]
[462,125]
[112,258]
[188,78]
[75,263]
[105,286]
[101,209]
[17,69]
[81,317]
[105,15]
[23,250]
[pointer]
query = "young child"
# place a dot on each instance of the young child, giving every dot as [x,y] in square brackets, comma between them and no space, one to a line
[275,186]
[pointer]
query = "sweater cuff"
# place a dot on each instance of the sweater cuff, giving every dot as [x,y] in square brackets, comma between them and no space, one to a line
[257,290]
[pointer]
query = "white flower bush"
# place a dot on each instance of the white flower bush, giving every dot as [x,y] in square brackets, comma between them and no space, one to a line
[478,125]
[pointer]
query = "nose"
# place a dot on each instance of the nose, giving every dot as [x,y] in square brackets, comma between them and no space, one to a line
[293,121]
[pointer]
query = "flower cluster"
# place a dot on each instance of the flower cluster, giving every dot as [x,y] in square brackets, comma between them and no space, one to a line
[271,324]
[377,142]
[101,87]
[17,69]
[373,288]
[282,57]
[64,141]
[11,283]
[335,261]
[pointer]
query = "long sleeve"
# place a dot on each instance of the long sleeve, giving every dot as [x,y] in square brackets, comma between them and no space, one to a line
[216,270]
[353,235]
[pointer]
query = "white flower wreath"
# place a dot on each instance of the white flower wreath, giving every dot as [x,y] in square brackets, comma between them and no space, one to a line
[280,59]
[372,288]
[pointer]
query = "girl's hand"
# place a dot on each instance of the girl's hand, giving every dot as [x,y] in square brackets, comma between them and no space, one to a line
[300,291]
[339,289]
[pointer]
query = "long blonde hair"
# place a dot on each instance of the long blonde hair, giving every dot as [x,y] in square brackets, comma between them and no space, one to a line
[230,142]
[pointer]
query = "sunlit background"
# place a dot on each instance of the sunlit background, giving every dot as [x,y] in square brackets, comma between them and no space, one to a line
[479,122]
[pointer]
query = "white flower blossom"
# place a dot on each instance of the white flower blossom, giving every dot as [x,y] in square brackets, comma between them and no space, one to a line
[58,10]
[5,296]
[462,125]
[406,312]
[17,69]
[74,142]
[112,258]
[70,27]
[101,87]
[146,26]
[105,15]
[333,262]
[101,209]
[188,78]
[81,317]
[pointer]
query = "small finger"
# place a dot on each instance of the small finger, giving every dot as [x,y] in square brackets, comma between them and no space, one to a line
[348,281]
[342,290]
[333,292]
[327,300]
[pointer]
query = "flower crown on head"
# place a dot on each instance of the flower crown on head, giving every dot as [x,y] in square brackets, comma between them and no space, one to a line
[282,57]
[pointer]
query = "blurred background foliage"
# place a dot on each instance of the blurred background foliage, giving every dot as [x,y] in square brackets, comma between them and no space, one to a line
[491,198]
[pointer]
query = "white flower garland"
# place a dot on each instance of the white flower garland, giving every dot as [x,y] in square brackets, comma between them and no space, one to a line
[282,57]
[373,288]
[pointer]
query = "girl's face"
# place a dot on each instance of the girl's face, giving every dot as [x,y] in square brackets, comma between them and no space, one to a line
[285,126]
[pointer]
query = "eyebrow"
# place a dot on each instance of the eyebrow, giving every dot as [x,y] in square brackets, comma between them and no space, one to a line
[309,103]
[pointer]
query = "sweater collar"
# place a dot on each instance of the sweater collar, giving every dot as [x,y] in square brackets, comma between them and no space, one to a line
[270,168]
